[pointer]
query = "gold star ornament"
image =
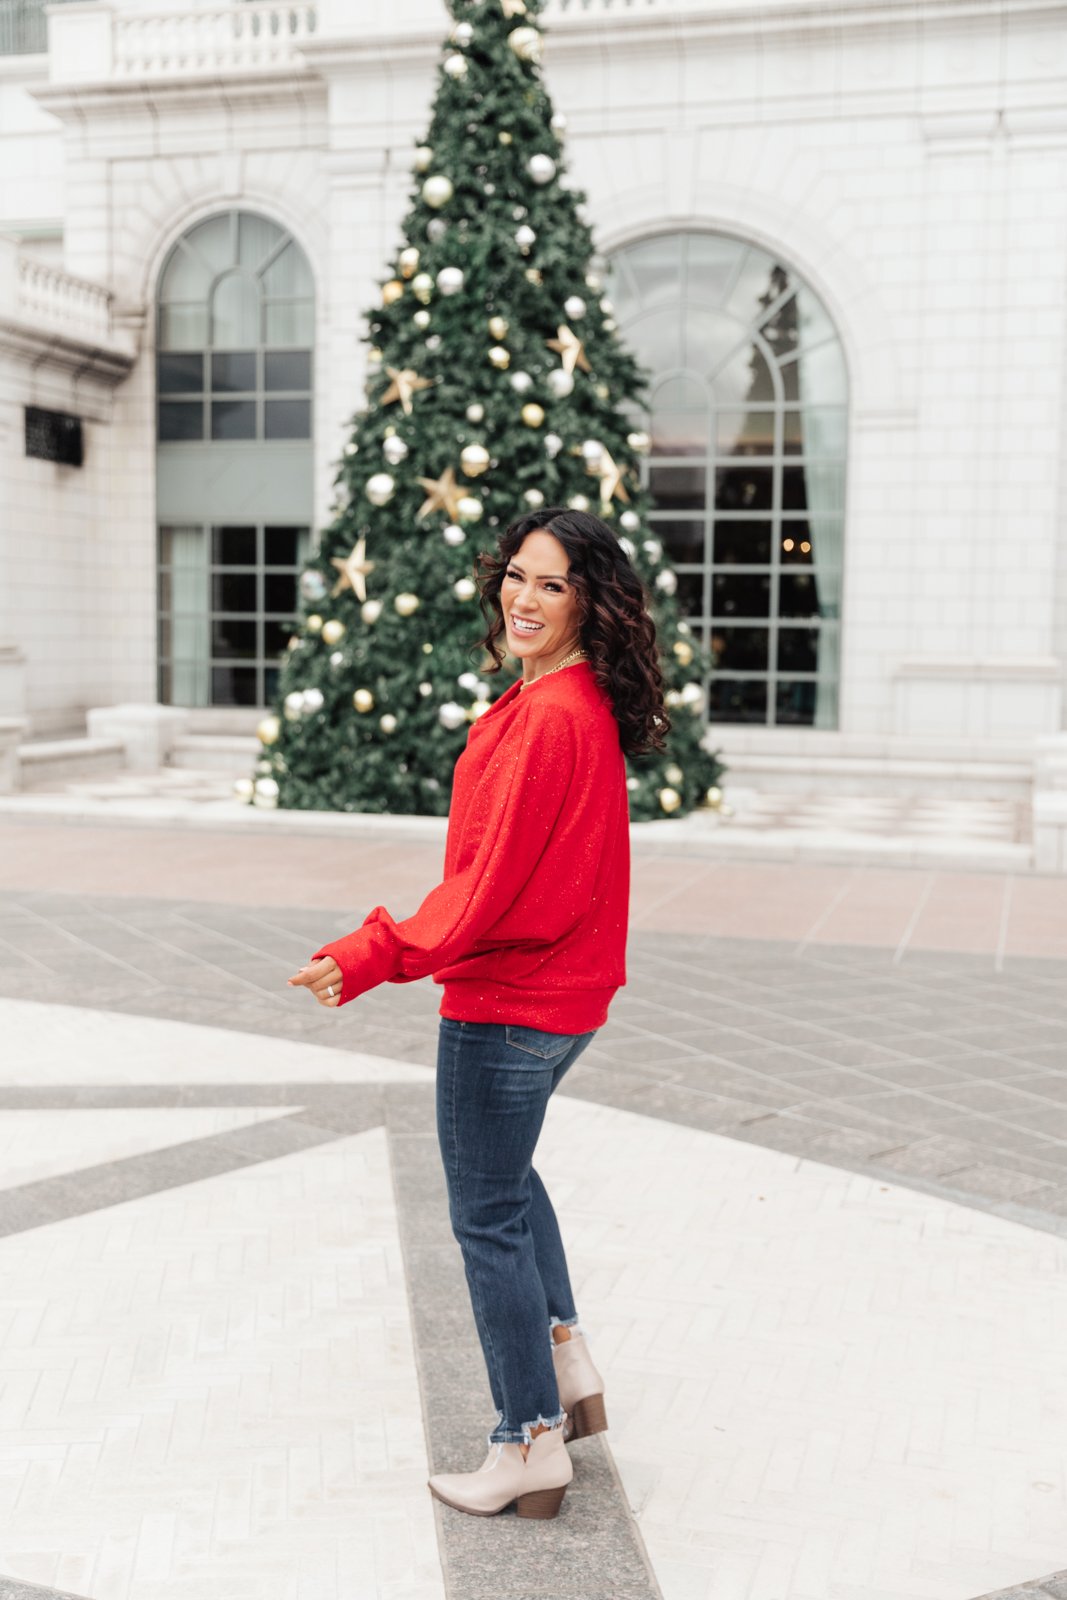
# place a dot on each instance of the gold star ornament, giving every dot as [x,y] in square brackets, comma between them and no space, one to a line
[442,494]
[405,383]
[353,569]
[513,8]
[570,348]
[611,476]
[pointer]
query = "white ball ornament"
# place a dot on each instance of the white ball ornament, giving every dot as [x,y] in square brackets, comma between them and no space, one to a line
[453,535]
[499,357]
[408,260]
[425,689]
[462,34]
[436,229]
[313,586]
[558,123]
[534,499]
[628,548]
[333,631]
[451,715]
[674,774]
[433,342]
[313,698]
[553,445]
[314,623]
[450,280]
[380,488]
[266,794]
[639,442]
[421,319]
[629,521]
[422,287]
[370,610]
[578,502]
[474,459]
[387,723]
[542,168]
[653,549]
[475,412]
[560,383]
[521,382]
[478,709]
[394,450]
[470,509]
[592,453]
[406,605]
[525,237]
[294,705]
[363,701]
[692,694]
[456,67]
[481,690]
[243,789]
[422,157]
[468,681]
[574,306]
[527,44]
[269,730]
[464,589]
[437,191]
[633,783]
[667,581]
[337,659]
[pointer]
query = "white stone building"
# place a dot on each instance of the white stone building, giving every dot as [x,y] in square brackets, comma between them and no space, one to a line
[838,234]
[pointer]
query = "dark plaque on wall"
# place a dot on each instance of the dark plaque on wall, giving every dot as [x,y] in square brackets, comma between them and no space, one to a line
[54,436]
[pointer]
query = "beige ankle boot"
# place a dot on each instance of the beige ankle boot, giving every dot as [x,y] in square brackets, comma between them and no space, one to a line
[536,1482]
[581,1388]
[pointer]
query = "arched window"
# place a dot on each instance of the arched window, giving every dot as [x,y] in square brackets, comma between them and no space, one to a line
[235,333]
[747,408]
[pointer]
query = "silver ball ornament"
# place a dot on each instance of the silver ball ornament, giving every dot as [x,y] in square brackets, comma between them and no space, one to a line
[294,705]
[453,534]
[527,44]
[380,489]
[653,549]
[630,521]
[394,450]
[451,715]
[421,319]
[578,502]
[525,237]
[558,124]
[337,659]
[266,794]
[469,508]
[574,306]
[422,157]
[475,413]
[437,191]
[542,168]
[553,445]
[370,610]
[667,581]
[436,229]
[313,586]
[521,382]
[456,67]
[387,723]
[464,589]
[592,453]
[639,442]
[468,681]
[534,499]
[425,689]
[560,383]
[450,280]
[313,699]
[462,34]
[474,459]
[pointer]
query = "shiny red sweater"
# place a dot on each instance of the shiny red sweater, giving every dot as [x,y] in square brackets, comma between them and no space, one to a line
[529,923]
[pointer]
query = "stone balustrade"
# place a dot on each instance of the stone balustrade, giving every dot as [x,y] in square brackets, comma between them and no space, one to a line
[47,295]
[209,40]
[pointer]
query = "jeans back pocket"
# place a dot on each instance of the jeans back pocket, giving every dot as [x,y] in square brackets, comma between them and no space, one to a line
[537,1042]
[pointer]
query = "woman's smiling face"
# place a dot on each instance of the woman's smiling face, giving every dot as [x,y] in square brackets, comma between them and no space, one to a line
[535,590]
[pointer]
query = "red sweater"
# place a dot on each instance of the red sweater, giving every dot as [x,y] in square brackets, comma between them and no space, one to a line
[529,923]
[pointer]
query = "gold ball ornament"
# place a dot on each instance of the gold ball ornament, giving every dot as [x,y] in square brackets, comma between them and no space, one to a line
[499,357]
[405,605]
[374,356]
[422,287]
[333,631]
[408,260]
[314,623]
[533,275]
[269,730]
[392,291]
[370,610]
[422,157]
[498,327]
[437,191]
[527,44]
[713,798]
[421,319]
[670,800]
[603,391]
[532,414]
[387,723]
[674,774]
[363,701]
[474,459]
[683,651]
[504,137]
[478,709]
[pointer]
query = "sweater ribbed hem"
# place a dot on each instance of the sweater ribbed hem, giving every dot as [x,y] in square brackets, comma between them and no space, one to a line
[555,1011]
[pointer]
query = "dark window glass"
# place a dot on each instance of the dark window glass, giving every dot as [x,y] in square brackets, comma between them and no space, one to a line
[796,544]
[740,595]
[165,690]
[798,650]
[798,596]
[270,683]
[683,541]
[287,369]
[745,433]
[279,593]
[281,547]
[734,700]
[690,594]
[180,420]
[233,591]
[794,489]
[677,488]
[233,372]
[740,649]
[229,638]
[165,636]
[164,591]
[233,686]
[233,547]
[287,419]
[233,419]
[742,543]
[275,638]
[743,488]
[795,703]
[181,374]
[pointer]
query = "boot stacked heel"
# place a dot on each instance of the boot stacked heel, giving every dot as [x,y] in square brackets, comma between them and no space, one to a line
[589,1417]
[541,1505]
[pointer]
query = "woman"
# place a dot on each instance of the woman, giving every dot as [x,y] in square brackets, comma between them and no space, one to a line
[527,935]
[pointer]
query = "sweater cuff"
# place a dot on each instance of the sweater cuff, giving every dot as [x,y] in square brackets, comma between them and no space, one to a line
[360,958]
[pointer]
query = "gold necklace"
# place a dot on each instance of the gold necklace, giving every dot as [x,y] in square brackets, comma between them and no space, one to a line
[574,656]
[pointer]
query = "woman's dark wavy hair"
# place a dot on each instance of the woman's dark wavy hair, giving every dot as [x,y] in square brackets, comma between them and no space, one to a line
[614,621]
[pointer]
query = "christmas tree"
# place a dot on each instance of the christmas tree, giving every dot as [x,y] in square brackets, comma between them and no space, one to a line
[497,384]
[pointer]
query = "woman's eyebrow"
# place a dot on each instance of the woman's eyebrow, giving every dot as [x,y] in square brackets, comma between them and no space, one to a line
[562,575]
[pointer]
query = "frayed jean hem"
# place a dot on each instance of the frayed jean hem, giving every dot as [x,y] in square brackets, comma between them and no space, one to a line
[504,1434]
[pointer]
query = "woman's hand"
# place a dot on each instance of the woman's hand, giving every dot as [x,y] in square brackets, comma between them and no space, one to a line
[323,978]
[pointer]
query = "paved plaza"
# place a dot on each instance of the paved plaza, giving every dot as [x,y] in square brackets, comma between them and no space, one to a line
[812,1177]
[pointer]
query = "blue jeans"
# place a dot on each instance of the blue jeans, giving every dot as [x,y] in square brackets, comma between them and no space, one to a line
[493,1084]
